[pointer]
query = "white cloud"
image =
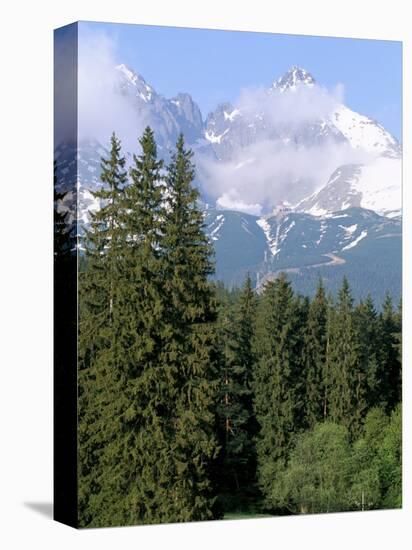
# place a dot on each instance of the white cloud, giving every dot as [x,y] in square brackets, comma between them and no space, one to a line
[283,164]
[102,109]
[231,201]
[260,174]
[302,105]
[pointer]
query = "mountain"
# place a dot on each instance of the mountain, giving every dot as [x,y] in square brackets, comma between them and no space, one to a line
[239,243]
[241,139]
[345,220]
[373,182]
[231,130]
[168,117]
[295,77]
[357,242]
[364,133]
[375,186]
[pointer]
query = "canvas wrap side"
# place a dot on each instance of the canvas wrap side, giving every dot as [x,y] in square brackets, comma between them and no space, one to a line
[65,275]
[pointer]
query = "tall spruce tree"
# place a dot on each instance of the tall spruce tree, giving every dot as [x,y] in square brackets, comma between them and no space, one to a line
[237,426]
[246,353]
[398,346]
[314,357]
[398,333]
[367,331]
[390,323]
[128,412]
[101,377]
[345,378]
[144,462]
[277,382]
[189,348]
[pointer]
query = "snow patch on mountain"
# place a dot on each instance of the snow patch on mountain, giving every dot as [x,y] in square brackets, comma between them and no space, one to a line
[380,186]
[245,225]
[231,116]
[364,133]
[130,75]
[322,231]
[210,136]
[281,233]
[215,227]
[356,241]
[296,76]
[349,230]
[375,186]
[267,230]
[133,80]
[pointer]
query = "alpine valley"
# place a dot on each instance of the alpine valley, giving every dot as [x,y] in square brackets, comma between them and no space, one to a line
[341,219]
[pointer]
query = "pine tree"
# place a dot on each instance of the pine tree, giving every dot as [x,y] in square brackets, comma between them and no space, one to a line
[127,401]
[367,330]
[189,348]
[314,357]
[247,358]
[398,345]
[277,382]
[143,459]
[345,379]
[237,426]
[390,330]
[100,373]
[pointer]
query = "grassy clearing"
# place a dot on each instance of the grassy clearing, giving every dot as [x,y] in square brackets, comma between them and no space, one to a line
[245,515]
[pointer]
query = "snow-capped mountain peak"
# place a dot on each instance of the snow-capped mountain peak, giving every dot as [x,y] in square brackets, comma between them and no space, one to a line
[128,73]
[135,83]
[252,132]
[296,76]
[364,133]
[375,186]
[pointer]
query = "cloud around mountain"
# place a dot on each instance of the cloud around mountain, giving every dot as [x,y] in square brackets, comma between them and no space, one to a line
[292,151]
[277,143]
[102,109]
[268,172]
[292,107]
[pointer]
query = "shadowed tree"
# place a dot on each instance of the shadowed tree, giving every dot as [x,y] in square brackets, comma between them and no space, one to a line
[277,381]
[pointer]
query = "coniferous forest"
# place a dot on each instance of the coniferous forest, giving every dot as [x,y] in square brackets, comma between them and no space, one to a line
[198,402]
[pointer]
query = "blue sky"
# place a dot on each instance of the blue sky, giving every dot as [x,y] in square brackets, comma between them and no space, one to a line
[213,66]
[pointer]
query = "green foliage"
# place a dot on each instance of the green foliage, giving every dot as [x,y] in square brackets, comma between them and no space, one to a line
[377,462]
[277,382]
[237,426]
[101,377]
[317,476]
[147,358]
[390,462]
[326,473]
[314,355]
[189,392]
[390,325]
[189,348]
[368,337]
[345,375]
[366,484]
